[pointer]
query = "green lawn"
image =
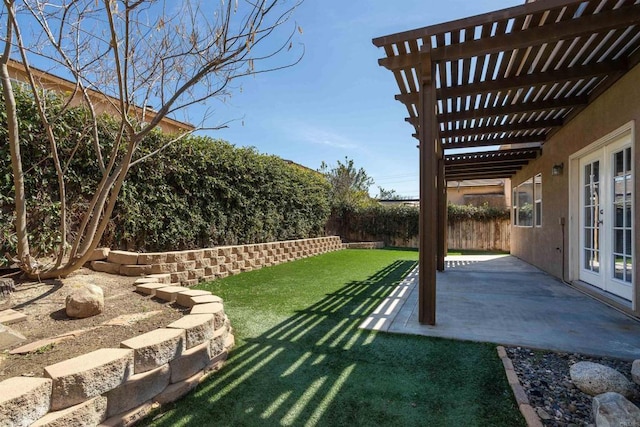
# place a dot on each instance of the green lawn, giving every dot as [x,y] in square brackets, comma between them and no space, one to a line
[300,359]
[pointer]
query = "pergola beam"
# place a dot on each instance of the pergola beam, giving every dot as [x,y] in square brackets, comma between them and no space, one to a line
[535,79]
[550,33]
[490,130]
[493,141]
[529,107]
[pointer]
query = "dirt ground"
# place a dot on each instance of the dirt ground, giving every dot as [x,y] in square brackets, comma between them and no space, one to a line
[126,314]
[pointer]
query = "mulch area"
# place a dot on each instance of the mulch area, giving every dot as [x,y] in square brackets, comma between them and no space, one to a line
[126,314]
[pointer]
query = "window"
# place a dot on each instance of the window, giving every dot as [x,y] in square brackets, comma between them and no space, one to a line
[527,203]
[537,193]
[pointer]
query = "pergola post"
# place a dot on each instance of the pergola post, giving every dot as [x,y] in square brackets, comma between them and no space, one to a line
[429,211]
[442,212]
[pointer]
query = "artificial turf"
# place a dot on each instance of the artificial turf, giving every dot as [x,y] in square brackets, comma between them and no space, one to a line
[301,360]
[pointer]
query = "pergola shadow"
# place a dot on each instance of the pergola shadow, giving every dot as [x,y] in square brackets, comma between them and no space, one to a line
[503,300]
[318,368]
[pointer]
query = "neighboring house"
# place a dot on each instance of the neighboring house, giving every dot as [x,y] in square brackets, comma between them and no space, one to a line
[558,82]
[102,103]
[495,193]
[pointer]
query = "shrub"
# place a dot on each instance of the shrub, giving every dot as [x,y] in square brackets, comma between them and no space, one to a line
[197,192]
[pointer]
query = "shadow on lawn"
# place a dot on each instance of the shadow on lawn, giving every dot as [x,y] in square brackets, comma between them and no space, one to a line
[291,373]
[318,368]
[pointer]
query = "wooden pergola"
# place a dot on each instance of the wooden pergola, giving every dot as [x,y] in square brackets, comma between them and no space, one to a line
[509,78]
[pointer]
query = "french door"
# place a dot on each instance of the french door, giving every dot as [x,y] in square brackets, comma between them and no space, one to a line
[606,218]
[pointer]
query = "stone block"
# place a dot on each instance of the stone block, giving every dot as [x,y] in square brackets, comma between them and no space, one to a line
[215,308]
[217,346]
[23,400]
[211,271]
[193,360]
[137,390]
[99,254]
[152,258]
[216,363]
[204,299]
[229,342]
[196,254]
[203,263]
[105,267]
[169,293]
[88,413]
[180,256]
[198,328]
[186,265]
[123,257]
[134,270]
[154,349]
[161,278]
[9,317]
[196,273]
[184,298]
[171,267]
[84,377]
[179,389]
[129,418]
[149,288]
[9,337]
[179,277]
[191,282]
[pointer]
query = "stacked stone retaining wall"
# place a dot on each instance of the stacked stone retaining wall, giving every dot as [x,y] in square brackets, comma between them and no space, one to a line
[193,266]
[119,386]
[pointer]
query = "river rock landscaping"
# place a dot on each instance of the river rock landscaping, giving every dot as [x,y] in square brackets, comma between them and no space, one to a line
[545,377]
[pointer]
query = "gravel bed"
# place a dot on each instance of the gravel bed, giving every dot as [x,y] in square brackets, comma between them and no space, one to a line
[544,375]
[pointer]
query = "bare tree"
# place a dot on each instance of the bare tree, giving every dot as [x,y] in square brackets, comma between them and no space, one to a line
[125,56]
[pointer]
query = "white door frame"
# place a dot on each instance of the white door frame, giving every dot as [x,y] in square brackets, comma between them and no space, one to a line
[574,190]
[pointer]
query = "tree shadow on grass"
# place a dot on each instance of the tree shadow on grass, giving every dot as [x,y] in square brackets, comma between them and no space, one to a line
[318,368]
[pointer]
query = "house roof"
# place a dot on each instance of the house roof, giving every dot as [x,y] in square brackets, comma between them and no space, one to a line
[107,103]
[514,76]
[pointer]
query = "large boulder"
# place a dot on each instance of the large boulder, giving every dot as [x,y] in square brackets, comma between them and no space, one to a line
[85,301]
[614,410]
[635,371]
[595,379]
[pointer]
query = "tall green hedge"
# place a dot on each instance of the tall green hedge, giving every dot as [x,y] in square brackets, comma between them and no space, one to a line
[198,192]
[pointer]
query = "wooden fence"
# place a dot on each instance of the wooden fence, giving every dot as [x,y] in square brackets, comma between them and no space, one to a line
[492,235]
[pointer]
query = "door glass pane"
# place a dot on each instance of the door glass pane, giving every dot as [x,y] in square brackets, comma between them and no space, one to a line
[618,246]
[588,217]
[627,214]
[595,264]
[596,172]
[628,158]
[618,215]
[618,269]
[618,163]
[629,272]
[588,241]
[627,243]
[587,259]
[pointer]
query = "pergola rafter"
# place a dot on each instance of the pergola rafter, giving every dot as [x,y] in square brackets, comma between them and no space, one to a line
[504,78]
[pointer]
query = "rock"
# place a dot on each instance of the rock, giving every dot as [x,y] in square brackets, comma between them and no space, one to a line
[85,301]
[544,415]
[635,371]
[594,379]
[614,410]
[9,337]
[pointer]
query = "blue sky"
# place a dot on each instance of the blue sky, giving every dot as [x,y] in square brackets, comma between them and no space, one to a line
[338,102]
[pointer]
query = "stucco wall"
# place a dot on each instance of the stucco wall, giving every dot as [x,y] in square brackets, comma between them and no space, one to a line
[618,106]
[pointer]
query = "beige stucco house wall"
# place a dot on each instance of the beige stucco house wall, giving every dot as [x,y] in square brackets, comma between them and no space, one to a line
[555,247]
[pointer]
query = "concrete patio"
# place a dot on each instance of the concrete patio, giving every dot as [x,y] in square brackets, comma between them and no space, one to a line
[503,300]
